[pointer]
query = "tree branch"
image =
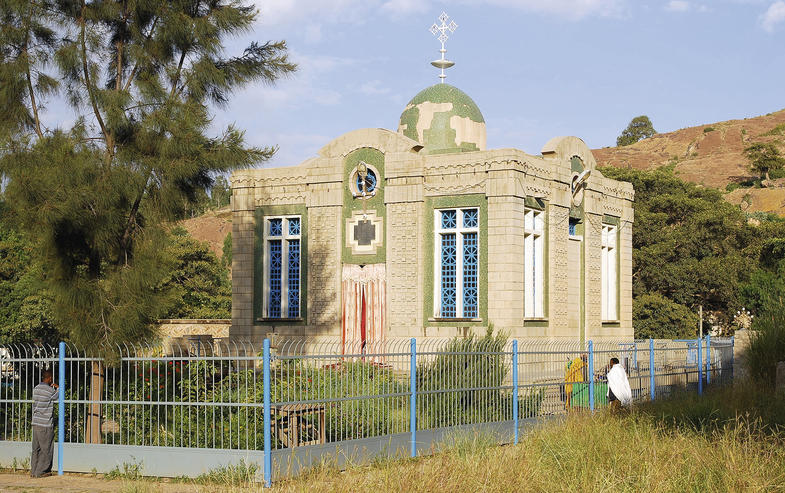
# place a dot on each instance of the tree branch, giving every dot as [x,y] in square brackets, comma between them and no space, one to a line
[33,104]
[88,85]
[32,99]
[136,65]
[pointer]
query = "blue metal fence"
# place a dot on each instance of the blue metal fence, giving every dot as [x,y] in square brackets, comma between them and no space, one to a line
[292,395]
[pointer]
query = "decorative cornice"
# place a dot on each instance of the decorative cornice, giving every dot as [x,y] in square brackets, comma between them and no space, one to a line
[280,199]
[269,181]
[457,188]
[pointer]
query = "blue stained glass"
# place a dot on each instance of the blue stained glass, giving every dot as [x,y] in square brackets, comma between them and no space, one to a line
[449,220]
[470,218]
[294,278]
[294,226]
[470,258]
[449,267]
[274,301]
[370,182]
[275,227]
[573,224]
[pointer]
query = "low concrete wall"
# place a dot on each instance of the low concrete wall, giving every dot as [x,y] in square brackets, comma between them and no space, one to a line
[152,461]
[191,462]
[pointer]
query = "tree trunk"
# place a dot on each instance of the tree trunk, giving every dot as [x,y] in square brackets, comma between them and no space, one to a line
[93,427]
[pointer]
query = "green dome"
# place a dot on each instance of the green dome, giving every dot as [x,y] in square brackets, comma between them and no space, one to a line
[444,119]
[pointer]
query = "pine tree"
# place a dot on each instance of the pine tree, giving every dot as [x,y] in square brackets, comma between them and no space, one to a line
[143,75]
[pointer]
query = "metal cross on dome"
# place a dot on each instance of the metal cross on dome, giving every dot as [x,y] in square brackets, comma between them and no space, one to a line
[442,30]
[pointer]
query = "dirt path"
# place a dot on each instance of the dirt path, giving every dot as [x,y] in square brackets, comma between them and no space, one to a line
[81,483]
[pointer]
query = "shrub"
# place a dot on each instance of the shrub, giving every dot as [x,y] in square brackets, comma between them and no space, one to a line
[767,343]
[469,363]
[708,129]
[658,317]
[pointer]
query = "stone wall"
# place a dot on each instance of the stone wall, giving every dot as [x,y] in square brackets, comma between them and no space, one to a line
[404,260]
[171,328]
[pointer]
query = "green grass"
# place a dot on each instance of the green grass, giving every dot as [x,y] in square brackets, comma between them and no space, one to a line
[232,475]
[778,130]
[729,440]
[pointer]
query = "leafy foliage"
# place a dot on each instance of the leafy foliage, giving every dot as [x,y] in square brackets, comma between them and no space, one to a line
[655,316]
[689,247]
[765,158]
[95,198]
[25,305]
[638,129]
[227,249]
[198,282]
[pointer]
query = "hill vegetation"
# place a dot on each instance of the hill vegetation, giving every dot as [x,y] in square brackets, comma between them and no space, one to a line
[714,155]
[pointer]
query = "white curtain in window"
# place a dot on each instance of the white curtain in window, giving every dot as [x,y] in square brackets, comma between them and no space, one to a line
[363,285]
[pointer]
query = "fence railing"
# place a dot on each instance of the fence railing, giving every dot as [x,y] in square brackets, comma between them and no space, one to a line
[239,396]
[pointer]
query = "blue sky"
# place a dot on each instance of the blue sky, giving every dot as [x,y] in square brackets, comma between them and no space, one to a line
[536,68]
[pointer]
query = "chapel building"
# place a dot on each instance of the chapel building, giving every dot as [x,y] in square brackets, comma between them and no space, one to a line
[423,232]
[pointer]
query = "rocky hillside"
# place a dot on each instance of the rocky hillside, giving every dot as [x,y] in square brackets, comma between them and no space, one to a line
[712,155]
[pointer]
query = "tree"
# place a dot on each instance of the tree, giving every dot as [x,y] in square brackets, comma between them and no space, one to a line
[639,128]
[25,304]
[220,193]
[690,247]
[658,317]
[199,280]
[764,158]
[96,197]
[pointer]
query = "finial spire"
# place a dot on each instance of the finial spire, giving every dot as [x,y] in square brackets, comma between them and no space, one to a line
[442,30]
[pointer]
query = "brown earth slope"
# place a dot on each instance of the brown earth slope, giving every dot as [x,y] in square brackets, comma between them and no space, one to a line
[211,227]
[711,155]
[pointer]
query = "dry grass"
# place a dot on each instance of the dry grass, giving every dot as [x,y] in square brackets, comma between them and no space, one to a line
[652,449]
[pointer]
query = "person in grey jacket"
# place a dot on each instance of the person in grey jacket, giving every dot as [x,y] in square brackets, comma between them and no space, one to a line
[44,395]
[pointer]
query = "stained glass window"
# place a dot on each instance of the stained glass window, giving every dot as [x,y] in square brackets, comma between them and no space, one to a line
[370,182]
[449,287]
[470,218]
[283,262]
[457,288]
[294,226]
[449,219]
[276,227]
[294,278]
[274,306]
[470,261]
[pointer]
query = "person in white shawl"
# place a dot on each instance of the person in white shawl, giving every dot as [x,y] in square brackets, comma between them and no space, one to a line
[619,392]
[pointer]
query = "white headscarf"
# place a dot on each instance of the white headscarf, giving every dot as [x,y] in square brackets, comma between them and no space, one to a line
[619,385]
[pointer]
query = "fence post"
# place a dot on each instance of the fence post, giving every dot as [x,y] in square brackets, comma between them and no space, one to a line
[60,407]
[732,361]
[591,375]
[515,389]
[413,398]
[700,366]
[652,369]
[268,460]
[708,359]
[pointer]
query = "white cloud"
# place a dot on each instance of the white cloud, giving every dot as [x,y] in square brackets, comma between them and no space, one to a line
[571,9]
[278,12]
[403,7]
[773,16]
[678,6]
[374,88]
